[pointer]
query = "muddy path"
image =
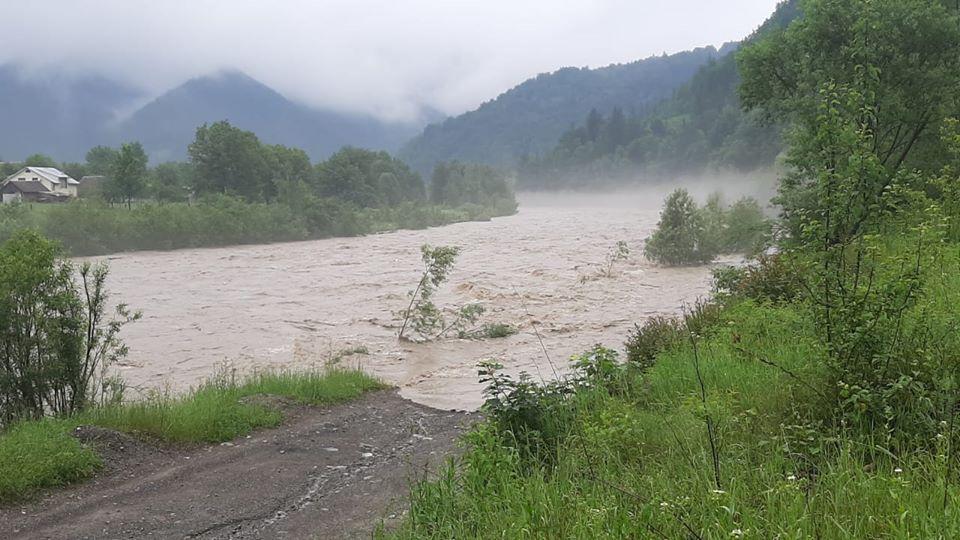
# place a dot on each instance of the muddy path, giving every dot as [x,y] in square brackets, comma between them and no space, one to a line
[326,473]
[299,304]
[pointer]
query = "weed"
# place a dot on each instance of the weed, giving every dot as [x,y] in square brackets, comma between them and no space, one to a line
[619,253]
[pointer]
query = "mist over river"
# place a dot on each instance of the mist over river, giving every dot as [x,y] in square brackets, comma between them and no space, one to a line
[295,305]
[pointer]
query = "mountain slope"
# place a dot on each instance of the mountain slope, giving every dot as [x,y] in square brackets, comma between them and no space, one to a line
[64,117]
[701,125]
[168,124]
[529,118]
[56,116]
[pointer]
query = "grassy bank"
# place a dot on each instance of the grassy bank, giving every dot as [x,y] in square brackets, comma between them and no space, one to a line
[42,454]
[725,436]
[93,228]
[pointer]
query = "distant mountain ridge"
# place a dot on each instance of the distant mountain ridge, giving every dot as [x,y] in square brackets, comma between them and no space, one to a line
[700,126]
[66,117]
[529,118]
[166,125]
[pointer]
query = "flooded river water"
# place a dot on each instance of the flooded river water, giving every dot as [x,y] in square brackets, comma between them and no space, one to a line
[297,305]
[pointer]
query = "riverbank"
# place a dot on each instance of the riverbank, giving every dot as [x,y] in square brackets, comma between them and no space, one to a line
[333,472]
[39,454]
[95,228]
[723,426]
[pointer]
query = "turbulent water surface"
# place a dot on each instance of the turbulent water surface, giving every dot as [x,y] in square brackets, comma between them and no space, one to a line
[301,304]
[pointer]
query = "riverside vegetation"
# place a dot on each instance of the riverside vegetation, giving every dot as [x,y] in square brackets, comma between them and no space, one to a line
[816,394]
[428,321]
[237,190]
[688,234]
[58,349]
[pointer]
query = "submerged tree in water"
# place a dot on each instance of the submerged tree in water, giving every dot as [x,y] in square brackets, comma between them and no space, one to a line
[680,235]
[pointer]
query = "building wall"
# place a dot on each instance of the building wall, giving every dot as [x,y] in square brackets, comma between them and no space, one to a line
[27,176]
[62,188]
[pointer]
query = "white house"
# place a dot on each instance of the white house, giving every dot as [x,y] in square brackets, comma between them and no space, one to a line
[38,184]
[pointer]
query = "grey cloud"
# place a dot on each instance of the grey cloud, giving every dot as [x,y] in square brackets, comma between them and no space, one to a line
[386,58]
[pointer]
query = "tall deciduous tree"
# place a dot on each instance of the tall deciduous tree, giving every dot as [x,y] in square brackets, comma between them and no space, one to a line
[230,160]
[39,160]
[908,47]
[368,178]
[899,57]
[100,160]
[129,172]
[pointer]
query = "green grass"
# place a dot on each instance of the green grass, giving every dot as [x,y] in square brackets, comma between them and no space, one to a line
[216,412]
[638,464]
[41,454]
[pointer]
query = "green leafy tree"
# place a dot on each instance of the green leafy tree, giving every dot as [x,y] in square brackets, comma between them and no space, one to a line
[747,228]
[169,182]
[368,178]
[457,183]
[905,49]
[288,164]
[231,161]
[714,218]
[56,342]
[129,174]
[859,289]
[422,315]
[40,160]
[100,160]
[680,235]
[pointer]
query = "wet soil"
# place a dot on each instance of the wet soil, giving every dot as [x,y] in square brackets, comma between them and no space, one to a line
[337,472]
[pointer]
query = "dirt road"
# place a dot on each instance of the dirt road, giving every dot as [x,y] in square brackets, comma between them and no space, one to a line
[331,473]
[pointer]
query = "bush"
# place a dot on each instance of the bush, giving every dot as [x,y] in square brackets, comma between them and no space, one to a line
[680,237]
[647,341]
[746,229]
[498,330]
[55,344]
[768,279]
[738,228]
[535,418]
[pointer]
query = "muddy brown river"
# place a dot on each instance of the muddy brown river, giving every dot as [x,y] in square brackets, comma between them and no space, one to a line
[298,305]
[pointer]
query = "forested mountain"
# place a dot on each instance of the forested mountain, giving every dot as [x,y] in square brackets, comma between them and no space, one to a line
[701,125]
[166,125]
[530,118]
[65,116]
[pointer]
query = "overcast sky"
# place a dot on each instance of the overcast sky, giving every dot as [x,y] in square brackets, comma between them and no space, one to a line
[384,57]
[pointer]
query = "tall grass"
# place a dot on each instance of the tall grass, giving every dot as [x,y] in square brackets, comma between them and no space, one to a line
[638,464]
[42,454]
[36,455]
[217,411]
